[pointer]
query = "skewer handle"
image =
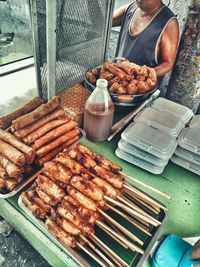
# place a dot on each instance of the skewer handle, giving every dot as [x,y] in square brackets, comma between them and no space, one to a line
[97,250]
[133,212]
[109,251]
[87,251]
[121,228]
[147,186]
[129,219]
[113,236]
[128,243]
[143,196]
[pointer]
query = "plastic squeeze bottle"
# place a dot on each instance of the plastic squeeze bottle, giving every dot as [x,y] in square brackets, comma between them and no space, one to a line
[98,112]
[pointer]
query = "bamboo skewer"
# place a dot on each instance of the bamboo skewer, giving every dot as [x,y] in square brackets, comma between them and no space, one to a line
[136,191]
[140,198]
[91,254]
[128,243]
[114,228]
[135,207]
[133,212]
[113,236]
[96,250]
[130,211]
[129,219]
[147,186]
[119,226]
[142,223]
[141,203]
[109,251]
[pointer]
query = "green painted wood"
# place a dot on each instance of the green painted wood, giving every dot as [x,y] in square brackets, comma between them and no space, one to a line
[54,255]
[183,216]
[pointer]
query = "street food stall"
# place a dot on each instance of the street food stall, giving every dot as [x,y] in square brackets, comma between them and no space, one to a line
[86,203]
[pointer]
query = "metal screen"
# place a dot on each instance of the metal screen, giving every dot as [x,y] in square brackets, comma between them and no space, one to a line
[77,42]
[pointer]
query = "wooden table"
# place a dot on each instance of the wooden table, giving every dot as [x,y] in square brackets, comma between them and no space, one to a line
[183,215]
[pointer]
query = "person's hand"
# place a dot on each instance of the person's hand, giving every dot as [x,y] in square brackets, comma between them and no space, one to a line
[196,253]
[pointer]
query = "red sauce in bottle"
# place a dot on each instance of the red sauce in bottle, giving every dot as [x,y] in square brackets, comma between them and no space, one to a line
[98,113]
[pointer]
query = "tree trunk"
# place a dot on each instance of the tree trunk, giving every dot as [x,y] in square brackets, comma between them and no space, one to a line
[184,85]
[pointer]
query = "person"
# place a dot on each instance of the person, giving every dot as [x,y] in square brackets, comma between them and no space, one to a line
[195,255]
[149,34]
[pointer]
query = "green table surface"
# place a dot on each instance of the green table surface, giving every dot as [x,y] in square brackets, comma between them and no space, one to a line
[183,214]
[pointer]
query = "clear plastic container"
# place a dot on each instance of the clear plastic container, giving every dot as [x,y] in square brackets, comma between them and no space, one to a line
[186,164]
[150,140]
[190,140]
[139,153]
[139,162]
[188,155]
[177,110]
[195,122]
[98,113]
[161,120]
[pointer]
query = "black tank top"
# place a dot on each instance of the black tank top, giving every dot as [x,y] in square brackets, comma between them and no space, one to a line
[141,48]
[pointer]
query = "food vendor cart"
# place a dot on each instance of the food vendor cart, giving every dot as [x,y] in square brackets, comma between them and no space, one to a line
[52,65]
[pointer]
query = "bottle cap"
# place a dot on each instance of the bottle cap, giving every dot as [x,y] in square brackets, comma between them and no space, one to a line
[102,83]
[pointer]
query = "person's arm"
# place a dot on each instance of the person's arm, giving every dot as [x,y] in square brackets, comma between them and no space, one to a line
[168,48]
[118,15]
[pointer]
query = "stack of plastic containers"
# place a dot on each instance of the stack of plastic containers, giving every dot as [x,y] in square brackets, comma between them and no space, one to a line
[183,113]
[151,140]
[187,155]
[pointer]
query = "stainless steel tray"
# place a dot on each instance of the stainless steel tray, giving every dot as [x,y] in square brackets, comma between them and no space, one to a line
[6,194]
[122,99]
[137,259]
[39,224]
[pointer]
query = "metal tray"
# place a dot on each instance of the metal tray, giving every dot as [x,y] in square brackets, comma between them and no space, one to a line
[133,259]
[44,229]
[4,193]
[123,100]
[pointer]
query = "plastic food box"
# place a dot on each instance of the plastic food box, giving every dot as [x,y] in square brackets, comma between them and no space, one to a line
[150,140]
[139,162]
[139,153]
[175,109]
[161,120]
[190,140]
[188,155]
[186,164]
[195,122]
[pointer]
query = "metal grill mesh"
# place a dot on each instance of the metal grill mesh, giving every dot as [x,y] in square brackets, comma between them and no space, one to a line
[80,42]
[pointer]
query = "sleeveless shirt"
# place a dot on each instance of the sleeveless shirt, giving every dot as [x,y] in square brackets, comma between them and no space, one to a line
[141,48]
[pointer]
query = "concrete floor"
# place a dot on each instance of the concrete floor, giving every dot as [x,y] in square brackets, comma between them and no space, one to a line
[15,251]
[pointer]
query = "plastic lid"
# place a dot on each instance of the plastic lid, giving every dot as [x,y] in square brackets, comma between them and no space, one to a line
[180,111]
[137,152]
[139,162]
[150,139]
[188,155]
[161,120]
[190,140]
[186,164]
[195,122]
[102,83]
